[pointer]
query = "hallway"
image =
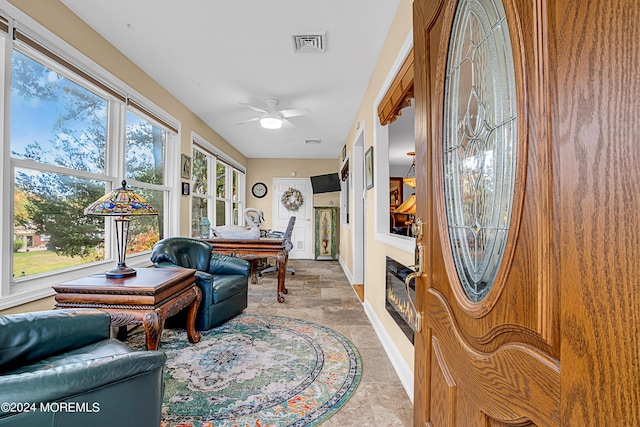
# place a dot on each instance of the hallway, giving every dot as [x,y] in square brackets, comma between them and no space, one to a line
[319,292]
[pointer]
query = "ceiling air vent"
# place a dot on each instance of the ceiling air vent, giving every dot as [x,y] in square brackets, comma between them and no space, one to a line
[309,43]
[312,141]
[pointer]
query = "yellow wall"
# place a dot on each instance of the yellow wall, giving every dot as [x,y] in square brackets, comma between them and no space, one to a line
[264,170]
[54,16]
[376,251]
[39,305]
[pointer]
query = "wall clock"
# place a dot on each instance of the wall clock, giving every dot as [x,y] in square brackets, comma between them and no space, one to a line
[259,190]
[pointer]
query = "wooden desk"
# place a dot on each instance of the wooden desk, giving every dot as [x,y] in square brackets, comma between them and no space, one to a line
[251,250]
[148,298]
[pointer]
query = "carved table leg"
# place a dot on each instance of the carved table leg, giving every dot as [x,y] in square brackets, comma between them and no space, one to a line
[192,311]
[282,274]
[252,268]
[153,324]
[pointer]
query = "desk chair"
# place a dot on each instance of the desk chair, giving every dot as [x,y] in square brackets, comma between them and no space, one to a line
[287,244]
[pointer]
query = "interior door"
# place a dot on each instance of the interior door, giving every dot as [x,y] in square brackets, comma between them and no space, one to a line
[488,353]
[302,230]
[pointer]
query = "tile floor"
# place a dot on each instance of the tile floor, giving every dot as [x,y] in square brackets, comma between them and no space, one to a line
[320,292]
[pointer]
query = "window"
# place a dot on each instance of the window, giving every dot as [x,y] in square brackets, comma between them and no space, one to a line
[58,149]
[145,165]
[71,139]
[219,204]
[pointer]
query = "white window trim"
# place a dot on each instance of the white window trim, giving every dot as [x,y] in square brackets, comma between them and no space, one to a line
[39,286]
[215,150]
[242,179]
[381,163]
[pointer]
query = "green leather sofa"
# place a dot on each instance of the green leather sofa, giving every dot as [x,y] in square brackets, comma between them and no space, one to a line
[61,368]
[223,280]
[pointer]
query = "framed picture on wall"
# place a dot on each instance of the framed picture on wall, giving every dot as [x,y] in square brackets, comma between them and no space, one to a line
[395,192]
[185,189]
[368,168]
[185,167]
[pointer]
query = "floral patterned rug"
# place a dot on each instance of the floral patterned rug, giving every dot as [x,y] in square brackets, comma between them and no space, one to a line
[256,371]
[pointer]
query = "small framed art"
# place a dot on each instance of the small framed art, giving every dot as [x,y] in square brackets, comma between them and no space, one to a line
[185,189]
[368,168]
[185,168]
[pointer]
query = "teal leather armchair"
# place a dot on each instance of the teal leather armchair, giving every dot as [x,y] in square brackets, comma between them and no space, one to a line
[61,368]
[223,280]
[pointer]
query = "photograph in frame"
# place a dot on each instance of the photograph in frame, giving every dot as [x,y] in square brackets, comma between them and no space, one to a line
[185,167]
[368,168]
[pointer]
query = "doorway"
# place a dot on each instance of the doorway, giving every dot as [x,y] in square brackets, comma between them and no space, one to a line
[301,237]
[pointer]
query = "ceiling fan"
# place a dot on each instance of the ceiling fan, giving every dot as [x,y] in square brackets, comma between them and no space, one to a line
[272,118]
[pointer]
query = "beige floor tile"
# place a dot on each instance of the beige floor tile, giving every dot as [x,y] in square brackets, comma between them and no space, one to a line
[319,292]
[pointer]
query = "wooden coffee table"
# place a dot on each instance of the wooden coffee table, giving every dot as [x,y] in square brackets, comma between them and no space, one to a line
[148,298]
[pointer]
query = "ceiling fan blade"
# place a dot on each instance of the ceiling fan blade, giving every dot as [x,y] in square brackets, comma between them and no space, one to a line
[256,109]
[295,112]
[287,124]
[255,119]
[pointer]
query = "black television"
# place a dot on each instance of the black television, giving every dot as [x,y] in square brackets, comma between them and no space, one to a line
[325,183]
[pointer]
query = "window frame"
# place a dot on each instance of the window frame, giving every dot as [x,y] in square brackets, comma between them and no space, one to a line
[381,159]
[21,290]
[214,158]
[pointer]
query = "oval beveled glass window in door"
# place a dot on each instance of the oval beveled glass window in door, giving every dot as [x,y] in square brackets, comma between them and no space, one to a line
[480,141]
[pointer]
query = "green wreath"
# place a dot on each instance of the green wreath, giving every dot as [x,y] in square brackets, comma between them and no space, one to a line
[292,199]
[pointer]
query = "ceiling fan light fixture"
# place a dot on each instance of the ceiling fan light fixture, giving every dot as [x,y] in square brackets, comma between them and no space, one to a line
[271,121]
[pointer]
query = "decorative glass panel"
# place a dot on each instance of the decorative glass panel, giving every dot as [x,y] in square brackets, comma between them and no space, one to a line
[480,135]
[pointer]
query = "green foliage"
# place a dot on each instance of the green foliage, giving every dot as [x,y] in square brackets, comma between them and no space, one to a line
[59,212]
[18,244]
[20,214]
[35,262]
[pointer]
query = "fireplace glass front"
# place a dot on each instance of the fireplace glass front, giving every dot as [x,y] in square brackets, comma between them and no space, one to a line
[397,301]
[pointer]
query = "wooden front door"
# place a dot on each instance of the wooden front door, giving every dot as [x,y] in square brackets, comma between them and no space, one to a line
[542,327]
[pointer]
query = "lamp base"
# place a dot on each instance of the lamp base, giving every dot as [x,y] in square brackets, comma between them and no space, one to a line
[120,271]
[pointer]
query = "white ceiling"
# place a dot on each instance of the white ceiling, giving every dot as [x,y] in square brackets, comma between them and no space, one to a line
[213,55]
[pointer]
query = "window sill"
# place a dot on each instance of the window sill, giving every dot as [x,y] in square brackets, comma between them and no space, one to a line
[27,290]
[407,244]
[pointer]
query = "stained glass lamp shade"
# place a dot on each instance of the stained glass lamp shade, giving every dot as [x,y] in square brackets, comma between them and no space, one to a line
[121,203]
[408,206]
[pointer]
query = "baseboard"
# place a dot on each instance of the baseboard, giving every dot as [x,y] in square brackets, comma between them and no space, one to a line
[404,371]
[345,270]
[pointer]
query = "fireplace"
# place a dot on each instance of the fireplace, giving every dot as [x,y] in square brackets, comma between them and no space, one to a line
[397,301]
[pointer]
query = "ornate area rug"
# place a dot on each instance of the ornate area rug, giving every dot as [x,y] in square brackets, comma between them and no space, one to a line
[256,371]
